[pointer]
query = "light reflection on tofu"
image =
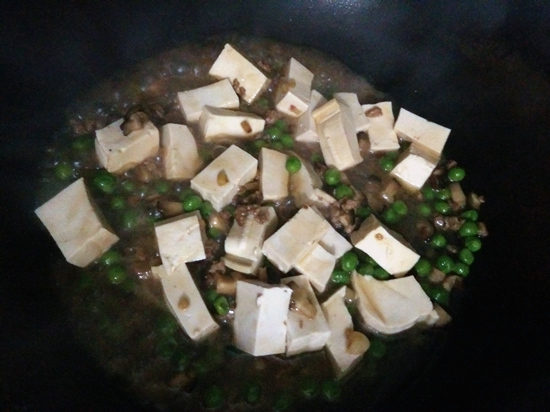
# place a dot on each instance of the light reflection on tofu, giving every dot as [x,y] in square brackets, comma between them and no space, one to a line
[294,92]
[220,94]
[220,124]
[179,149]
[428,135]
[413,168]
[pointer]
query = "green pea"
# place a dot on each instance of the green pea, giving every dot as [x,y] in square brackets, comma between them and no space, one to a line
[185,193]
[365,269]
[167,347]
[466,256]
[443,194]
[167,324]
[252,393]
[118,203]
[287,141]
[276,145]
[380,273]
[444,263]
[423,267]
[162,186]
[191,203]
[293,164]
[110,257]
[428,193]
[214,233]
[386,163]
[442,207]
[83,143]
[377,348]
[341,191]
[424,210]
[456,174]
[180,359]
[363,212]
[340,277]
[274,133]
[332,177]
[116,274]
[206,209]
[128,186]
[280,124]
[400,208]
[105,182]
[283,402]
[63,171]
[349,261]
[258,144]
[317,158]
[130,219]
[390,216]
[468,228]
[309,388]
[473,243]
[393,154]
[470,215]
[210,296]
[221,305]
[438,241]
[262,103]
[461,269]
[213,397]
[331,390]
[437,293]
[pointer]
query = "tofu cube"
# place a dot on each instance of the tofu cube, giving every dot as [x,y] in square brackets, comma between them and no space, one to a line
[220,124]
[334,243]
[179,149]
[321,200]
[386,247]
[260,317]
[294,92]
[220,94]
[273,174]
[219,181]
[360,120]
[180,240]
[391,306]
[305,332]
[382,137]
[76,225]
[186,304]
[430,136]
[303,183]
[413,168]
[306,128]
[246,78]
[118,153]
[317,267]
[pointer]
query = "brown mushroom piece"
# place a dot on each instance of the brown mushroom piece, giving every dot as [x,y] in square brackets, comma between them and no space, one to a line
[133,122]
[300,301]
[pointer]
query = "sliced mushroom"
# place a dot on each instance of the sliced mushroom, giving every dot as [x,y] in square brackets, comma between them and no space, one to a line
[170,208]
[300,302]
[220,221]
[227,284]
[457,195]
[133,122]
[356,342]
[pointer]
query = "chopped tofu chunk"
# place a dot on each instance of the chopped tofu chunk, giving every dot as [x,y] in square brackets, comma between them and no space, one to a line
[218,124]
[244,243]
[76,225]
[386,247]
[337,136]
[294,92]
[306,128]
[219,181]
[118,153]
[273,174]
[341,327]
[303,183]
[382,137]
[413,168]
[317,266]
[360,120]
[185,302]
[181,158]
[219,94]
[430,136]
[321,201]
[391,306]
[307,329]
[334,243]
[246,78]
[295,239]
[260,317]
[180,240]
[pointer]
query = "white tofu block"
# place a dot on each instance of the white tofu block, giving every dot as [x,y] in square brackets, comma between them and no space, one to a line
[360,120]
[243,244]
[76,225]
[232,65]
[317,266]
[303,333]
[303,183]
[430,136]
[321,200]
[413,168]
[385,246]
[295,239]
[219,181]
[340,324]
[181,158]
[391,306]
[180,239]
[260,317]
[219,94]
[273,174]
[334,243]
[293,96]
[220,124]
[185,302]
[337,136]
[118,153]
[306,128]
[382,137]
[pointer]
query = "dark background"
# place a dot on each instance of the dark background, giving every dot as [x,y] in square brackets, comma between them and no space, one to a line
[480,68]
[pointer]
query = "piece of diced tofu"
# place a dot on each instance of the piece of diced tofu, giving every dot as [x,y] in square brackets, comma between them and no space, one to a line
[292,97]
[413,168]
[303,183]
[219,181]
[220,124]
[260,317]
[181,157]
[118,153]
[273,174]
[321,200]
[317,266]
[295,239]
[77,225]
[334,243]
[186,303]
[306,128]
[382,137]
[391,306]
[306,332]
[360,120]
[219,94]
[243,244]
[246,78]
[337,136]
[341,326]
[385,246]
[180,239]
[428,135]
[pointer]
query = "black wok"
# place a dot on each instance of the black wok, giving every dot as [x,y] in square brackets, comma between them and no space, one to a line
[480,68]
